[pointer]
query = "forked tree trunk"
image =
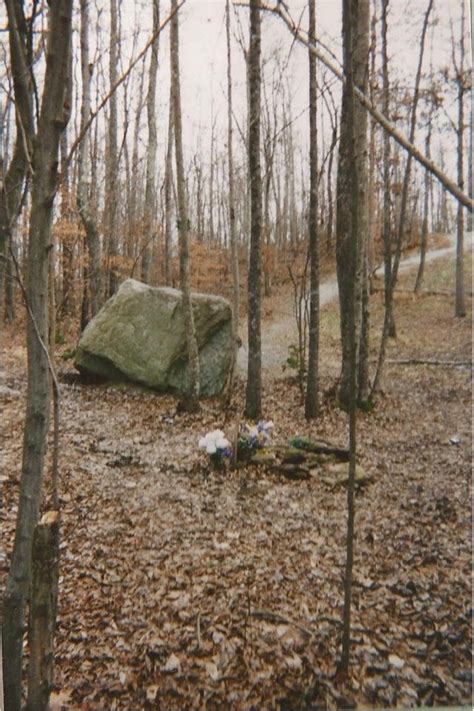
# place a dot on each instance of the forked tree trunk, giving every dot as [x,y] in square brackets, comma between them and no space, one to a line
[253,399]
[52,121]
[191,401]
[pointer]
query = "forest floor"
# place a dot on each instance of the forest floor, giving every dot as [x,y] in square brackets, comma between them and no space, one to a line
[185,588]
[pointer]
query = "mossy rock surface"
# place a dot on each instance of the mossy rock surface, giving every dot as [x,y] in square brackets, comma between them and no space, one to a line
[140,336]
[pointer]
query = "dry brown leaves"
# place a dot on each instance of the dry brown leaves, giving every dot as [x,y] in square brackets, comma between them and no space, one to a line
[182,588]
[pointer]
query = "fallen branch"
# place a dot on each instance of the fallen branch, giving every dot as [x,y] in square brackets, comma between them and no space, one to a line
[281,11]
[430,361]
[423,292]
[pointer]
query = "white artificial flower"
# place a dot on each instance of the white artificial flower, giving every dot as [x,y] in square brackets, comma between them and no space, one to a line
[211,448]
[222,443]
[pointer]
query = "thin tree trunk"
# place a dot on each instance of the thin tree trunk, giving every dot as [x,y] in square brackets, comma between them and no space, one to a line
[93,290]
[351,27]
[459,308]
[388,316]
[191,401]
[312,385]
[168,199]
[234,246]
[253,399]
[112,161]
[53,119]
[387,125]
[424,227]
[150,188]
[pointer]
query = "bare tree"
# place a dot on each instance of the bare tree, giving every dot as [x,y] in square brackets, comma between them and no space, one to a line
[351,36]
[253,400]
[312,386]
[150,188]
[233,237]
[191,401]
[112,158]
[52,121]
[359,14]
[94,287]
[463,85]
[392,267]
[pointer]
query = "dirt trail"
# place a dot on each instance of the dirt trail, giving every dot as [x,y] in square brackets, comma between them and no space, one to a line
[281,333]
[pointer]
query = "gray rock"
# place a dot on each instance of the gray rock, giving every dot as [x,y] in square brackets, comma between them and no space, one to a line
[139,335]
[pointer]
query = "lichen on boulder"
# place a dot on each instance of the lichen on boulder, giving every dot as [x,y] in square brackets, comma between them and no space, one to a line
[139,336]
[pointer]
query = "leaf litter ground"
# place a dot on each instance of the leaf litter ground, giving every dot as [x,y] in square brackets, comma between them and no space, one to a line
[182,588]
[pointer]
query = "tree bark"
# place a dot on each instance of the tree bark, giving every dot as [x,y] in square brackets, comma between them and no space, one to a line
[93,289]
[52,121]
[43,609]
[352,34]
[461,81]
[112,160]
[191,401]
[312,384]
[150,187]
[233,238]
[14,178]
[345,230]
[253,398]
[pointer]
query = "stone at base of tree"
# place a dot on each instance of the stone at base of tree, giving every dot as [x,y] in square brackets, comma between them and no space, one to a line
[140,336]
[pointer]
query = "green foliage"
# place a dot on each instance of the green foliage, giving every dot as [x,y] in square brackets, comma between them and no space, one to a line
[294,359]
[301,443]
[59,338]
[69,354]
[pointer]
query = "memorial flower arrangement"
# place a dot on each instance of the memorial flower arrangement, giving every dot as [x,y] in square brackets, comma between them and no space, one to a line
[251,439]
[217,446]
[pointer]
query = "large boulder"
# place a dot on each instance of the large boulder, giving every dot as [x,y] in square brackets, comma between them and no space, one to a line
[139,335]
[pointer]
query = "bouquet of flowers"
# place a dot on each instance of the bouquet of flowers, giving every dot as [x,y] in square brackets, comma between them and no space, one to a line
[253,438]
[217,446]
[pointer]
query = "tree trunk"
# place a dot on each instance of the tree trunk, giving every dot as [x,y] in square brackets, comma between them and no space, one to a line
[43,609]
[393,268]
[150,188]
[253,398]
[345,230]
[168,276]
[14,178]
[459,308]
[112,160]
[53,119]
[191,401]
[312,385]
[93,288]
[351,27]
[424,226]
[234,246]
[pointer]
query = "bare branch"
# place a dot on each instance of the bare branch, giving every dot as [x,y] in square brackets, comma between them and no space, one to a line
[381,119]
